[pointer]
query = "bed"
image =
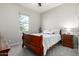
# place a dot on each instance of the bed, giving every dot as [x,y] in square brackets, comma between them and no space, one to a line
[40,43]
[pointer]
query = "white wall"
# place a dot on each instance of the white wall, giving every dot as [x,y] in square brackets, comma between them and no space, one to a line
[9,19]
[65,15]
[9,25]
[34,22]
[9,22]
[78,31]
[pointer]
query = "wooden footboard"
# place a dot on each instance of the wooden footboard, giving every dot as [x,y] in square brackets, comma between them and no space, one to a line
[33,42]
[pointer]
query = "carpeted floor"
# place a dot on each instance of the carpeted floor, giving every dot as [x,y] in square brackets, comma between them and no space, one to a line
[58,50]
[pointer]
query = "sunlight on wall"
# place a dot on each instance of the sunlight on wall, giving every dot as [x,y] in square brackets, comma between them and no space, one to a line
[70,25]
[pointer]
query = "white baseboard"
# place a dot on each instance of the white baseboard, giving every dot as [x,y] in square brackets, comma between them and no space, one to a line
[16,43]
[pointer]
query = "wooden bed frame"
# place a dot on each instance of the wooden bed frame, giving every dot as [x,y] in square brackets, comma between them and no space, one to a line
[34,43]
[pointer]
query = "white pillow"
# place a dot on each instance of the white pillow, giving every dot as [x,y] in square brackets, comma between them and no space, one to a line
[47,32]
[53,31]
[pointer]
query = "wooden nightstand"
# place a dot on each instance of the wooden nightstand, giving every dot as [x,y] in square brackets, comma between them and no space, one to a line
[67,40]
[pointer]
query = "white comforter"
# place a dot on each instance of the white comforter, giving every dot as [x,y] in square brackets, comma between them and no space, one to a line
[49,40]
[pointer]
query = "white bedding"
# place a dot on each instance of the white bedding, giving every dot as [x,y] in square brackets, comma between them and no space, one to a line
[49,40]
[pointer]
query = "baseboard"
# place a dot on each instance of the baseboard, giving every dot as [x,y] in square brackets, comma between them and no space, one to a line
[14,44]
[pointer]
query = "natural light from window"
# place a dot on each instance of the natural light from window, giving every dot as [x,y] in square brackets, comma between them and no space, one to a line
[24,23]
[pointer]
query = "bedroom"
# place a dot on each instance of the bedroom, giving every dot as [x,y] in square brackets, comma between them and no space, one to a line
[49,17]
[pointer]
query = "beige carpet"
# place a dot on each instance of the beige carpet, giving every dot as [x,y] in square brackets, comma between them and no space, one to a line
[58,50]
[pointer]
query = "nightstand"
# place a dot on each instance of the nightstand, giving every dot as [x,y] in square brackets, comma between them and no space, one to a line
[67,40]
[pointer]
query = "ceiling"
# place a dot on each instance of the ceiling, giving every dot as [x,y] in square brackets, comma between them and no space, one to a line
[40,9]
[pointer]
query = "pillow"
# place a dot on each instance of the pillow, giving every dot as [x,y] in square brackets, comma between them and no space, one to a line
[47,32]
[55,31]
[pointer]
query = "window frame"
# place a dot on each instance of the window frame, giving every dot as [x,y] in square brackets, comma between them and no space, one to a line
[28,22]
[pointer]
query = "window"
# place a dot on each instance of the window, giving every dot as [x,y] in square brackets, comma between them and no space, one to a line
[24,23]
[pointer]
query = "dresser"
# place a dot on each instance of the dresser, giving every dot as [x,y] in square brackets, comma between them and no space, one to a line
[67,40]
[70,41]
